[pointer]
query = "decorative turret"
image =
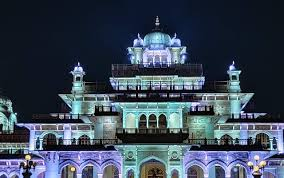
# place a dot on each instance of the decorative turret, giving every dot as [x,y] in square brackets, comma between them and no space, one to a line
[78,83]
[234,88]
[234,80]
[7,117]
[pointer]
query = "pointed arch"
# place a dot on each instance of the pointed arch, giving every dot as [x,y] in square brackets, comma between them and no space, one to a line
[66,163]
[90,162]
[111,162]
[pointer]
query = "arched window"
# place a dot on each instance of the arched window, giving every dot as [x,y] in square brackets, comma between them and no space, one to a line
[84,140]
[219,172]
[174,121]
[142,121]
[49,139]
[175,174]
[162,121]
[195,172]
[111,171]
[263,139]
[152,121]
[226,140]
[130,174]
[69,172]
[3,176]
[89,172]
[238,171]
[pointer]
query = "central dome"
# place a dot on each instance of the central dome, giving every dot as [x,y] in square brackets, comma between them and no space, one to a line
[157,40]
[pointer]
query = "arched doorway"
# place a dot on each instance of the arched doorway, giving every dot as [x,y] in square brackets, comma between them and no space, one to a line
[174,174]
[111,171]
[162,121]
[238,171]
[152,121]
[89,172]
[49,139]
[153,169]
[268,175]
[69,171]
[130,174]
[216,171]
[130,121]
[226,140]
[263,139]
[84,140]
[195,172]
[142,122]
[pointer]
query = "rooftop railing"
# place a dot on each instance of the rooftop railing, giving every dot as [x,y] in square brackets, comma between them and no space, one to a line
[151,130]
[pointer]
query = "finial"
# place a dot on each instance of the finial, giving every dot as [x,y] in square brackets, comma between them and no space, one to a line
[175,35]
[138,35]
[233,62]
[232,66]
[78,64]
[157,23]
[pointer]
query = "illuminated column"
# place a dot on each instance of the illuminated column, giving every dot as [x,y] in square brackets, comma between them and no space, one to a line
[100,175]
[244,132]
[280,141]
[51,164]
[67,134]
[212,171]
[79,175]
[32,140]
[280,171]
[78,88]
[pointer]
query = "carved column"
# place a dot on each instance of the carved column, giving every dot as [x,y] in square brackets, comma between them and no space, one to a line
[51,163]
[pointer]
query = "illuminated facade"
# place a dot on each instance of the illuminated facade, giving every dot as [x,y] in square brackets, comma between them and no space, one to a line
[157,117]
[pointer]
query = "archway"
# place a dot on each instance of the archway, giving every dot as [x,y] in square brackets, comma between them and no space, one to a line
[49,139]
[130,174]
[263,139]
[152,121]
[84,140]
[69,171]
[3,176]
[142,122]
[153,169]
[130,121]
[226,140]
[217,171]
[268,175]
[238,171]
[174,173]
[111,171]
[162,121]
[89,172]
[195,172]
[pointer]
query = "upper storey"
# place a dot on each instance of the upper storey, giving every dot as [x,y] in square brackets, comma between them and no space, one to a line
[157,49]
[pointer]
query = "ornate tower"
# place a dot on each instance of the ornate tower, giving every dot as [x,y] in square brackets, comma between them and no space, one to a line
[234,88]
[78,82]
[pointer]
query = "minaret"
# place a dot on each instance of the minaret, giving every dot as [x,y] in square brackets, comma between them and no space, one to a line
[234,88]
[78,82]
[234,82]
[78,89]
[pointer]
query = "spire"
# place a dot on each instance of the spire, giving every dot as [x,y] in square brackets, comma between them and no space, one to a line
[232,66]
[138,35]
[157,23]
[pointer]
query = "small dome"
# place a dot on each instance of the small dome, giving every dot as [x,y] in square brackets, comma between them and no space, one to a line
[157,40]
[138,42]
[175,42]
[78,68]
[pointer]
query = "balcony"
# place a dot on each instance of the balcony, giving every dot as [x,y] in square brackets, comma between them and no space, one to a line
[202,110]
[132,70]
[75,144]
[231,144]
[152,135]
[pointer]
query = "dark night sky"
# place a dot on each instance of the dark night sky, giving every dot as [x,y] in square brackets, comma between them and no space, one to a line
[40,42]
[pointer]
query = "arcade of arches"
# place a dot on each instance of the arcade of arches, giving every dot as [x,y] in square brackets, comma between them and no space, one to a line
[152,121]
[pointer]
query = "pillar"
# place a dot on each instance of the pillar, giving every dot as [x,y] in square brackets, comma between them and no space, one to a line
[100,175]
[51,164]
[67,134]
[79,175]
[32,140]
[212,171]
[280,171]
[280,141]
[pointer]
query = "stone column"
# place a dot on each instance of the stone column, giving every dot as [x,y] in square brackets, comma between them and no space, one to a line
[51,164]
[280,140]
[32,140]
[280,171]
[100,175]
[67,134]
[79,175]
